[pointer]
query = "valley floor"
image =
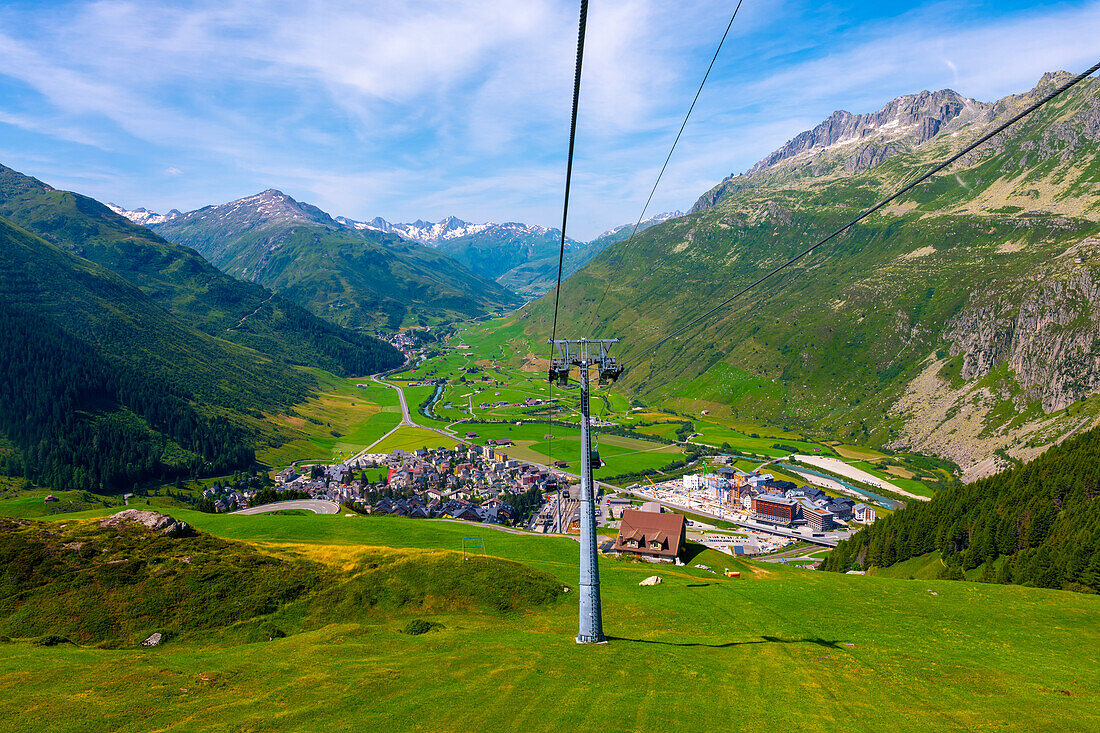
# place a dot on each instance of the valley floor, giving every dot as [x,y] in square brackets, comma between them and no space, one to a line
[777,649]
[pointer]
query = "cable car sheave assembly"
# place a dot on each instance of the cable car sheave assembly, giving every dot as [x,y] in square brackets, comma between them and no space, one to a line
[586,355]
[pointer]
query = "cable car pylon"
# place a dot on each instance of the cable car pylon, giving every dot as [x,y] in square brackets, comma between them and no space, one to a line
[584,354]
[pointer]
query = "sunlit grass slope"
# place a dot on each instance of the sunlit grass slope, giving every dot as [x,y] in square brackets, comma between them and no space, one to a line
[777,649]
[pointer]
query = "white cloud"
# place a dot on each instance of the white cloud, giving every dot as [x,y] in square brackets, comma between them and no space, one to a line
[430,107]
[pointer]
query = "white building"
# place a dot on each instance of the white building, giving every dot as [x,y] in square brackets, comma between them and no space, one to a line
[863,514]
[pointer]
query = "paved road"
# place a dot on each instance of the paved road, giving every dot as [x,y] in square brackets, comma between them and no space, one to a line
[317,506]
[406,419]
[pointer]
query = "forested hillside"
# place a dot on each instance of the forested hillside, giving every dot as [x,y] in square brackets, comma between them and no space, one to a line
[1035,524]
[179,279]
[101,387]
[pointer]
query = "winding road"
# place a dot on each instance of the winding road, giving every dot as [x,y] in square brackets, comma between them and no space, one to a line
[317,506]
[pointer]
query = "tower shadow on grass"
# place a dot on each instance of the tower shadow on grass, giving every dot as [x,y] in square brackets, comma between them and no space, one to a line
[762,640]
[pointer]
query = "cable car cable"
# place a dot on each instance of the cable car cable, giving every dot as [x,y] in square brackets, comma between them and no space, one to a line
[569,160]
[905,189]
[565,214]
[669,156]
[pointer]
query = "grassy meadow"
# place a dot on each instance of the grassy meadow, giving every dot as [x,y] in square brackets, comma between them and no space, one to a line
[337,422]
[776,649]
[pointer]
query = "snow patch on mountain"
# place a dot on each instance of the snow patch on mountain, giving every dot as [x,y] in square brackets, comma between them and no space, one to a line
[275,206]
[143,216]
[435,233]
[645,224]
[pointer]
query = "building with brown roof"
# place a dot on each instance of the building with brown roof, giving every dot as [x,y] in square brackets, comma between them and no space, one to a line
[651,535]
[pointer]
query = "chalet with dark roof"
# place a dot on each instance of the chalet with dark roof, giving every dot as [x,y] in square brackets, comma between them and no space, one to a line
[651,535]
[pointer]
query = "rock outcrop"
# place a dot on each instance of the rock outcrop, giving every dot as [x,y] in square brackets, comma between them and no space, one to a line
[909,120]
[153,520]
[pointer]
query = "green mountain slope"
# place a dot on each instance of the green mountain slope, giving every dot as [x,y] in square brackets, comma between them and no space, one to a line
[960,321]
[179,279]
[101,387]
[1037,524]
[524,259]
[520,258]
[357,278]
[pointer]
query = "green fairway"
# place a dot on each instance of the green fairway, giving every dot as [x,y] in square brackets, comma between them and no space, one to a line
[777,649]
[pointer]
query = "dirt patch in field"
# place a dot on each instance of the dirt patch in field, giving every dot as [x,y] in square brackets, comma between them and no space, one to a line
[899,472]
[532,363]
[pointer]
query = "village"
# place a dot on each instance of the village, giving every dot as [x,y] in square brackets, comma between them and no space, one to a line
[468,482]
[734,511]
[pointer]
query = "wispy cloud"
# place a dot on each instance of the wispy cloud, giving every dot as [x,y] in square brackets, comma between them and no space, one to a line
[426,108]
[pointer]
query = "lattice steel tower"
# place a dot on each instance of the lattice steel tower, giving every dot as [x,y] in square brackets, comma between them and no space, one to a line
[586,354]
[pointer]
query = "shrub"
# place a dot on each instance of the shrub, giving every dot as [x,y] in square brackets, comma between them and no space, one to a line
[51,640]
[419,626]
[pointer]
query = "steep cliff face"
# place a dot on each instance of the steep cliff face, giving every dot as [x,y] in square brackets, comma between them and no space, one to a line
[1046,329]
[1021,364]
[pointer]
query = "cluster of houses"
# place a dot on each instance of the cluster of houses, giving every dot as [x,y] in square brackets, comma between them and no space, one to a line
[812,506]
[493,511]
[467,482]
[429,382]
[227,498]
[402,340]
[529,402]
[778,502]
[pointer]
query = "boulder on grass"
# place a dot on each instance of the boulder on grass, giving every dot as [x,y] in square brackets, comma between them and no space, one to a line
[153,520]
[651,580]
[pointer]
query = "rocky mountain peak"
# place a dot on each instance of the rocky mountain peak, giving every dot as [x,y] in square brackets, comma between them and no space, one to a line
[906,121]
[267,207]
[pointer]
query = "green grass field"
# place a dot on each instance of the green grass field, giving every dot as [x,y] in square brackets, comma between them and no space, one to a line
[410,438]
[777,649]
[338,422]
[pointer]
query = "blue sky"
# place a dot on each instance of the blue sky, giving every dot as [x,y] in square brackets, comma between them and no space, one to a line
[418,109]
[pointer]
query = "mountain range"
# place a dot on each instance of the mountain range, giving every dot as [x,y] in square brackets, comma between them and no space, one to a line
[961,321]
[128,358]
[360,278]
[521,258]
[180,280]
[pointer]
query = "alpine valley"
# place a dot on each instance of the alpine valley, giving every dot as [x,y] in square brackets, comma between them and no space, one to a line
[256,237]
[963,321]
[266,467]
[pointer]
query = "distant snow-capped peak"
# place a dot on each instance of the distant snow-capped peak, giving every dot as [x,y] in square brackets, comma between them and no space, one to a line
[143,216]
[645,224]
[434,233]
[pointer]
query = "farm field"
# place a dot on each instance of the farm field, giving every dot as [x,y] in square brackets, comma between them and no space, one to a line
[410,438]
[620,454]
[851,649]
[499,366]
[339,422]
